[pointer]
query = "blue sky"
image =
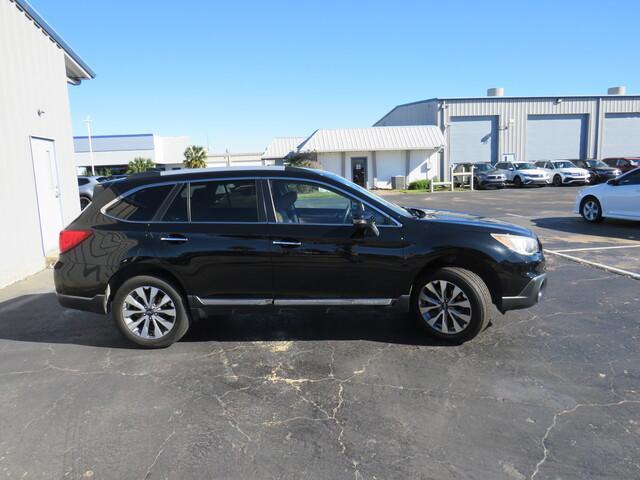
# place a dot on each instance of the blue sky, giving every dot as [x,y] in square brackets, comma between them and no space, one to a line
[242,72]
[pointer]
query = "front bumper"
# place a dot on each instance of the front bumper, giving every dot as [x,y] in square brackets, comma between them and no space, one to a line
[580,180]
[529,296]
[491,183]
[536,181]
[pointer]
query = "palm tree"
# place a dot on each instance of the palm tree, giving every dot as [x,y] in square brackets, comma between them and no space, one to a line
[140,165]
[195,157]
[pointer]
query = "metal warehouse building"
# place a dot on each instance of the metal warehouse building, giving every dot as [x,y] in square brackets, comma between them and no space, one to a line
[485,129]
[39,193]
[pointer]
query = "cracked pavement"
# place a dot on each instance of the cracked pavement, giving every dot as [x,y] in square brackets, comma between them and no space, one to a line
[547,393]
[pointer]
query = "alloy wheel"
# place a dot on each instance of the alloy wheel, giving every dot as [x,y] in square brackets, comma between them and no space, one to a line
[149,312]
[590,210]
[445,307]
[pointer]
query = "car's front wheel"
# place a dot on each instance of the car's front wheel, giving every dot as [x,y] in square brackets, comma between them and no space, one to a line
[591,210]
[84,202]
[517,182]
[452,303]
[557,181]
[150,311]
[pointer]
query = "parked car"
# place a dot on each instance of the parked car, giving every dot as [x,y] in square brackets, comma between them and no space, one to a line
[86,185]
[484,175]
[564,172]
[617,198]
[624,164]
[164,249]
[600,171]
[523,173]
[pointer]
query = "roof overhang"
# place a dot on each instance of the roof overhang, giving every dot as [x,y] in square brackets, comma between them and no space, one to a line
[77,70]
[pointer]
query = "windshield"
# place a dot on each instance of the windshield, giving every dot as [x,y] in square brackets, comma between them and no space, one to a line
[391,206]
[483,167]
[524,165]
[596,163]
[564,165]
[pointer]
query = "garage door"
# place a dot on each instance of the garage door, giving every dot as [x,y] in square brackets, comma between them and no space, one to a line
[473,139]
[556,137]
[621,135]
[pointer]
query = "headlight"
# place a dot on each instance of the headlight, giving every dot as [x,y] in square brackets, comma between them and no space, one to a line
[517,243]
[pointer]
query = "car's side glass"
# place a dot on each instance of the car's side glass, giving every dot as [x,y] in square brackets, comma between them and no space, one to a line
[141,205]
[178,210]
[309,203]
[82,181]
[224,201]
[630,179]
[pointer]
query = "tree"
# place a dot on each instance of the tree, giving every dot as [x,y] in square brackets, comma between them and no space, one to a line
[140,165]
[195,157]
[308,160]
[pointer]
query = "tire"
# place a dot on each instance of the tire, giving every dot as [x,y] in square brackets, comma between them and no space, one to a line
[427,307]
[517,182]
[557,181]
[84,202]
[591,210]
[144,294]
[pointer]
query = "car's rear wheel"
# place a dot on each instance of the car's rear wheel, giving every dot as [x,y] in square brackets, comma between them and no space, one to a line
[84,202]
[591,210]
[517,182]
[451,303]
[557,181]
[150,311]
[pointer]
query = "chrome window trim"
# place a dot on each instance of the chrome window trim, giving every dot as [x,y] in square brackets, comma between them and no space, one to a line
[103,210]
[319,182]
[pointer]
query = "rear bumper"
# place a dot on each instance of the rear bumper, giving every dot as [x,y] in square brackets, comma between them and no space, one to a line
[529,296]
[96,304]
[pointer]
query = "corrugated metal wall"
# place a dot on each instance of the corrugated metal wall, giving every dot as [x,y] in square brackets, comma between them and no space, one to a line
[512,116]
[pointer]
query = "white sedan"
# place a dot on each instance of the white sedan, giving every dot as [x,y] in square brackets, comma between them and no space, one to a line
[618,198]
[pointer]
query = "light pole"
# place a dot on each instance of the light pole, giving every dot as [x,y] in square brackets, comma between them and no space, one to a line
[88,121]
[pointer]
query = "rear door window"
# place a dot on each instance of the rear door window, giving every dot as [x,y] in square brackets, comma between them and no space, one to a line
[224,201]
[178,210]
[140,206]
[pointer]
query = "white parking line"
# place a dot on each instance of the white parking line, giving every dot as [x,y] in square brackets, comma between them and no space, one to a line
[596,248]
[601,266]
[516,215]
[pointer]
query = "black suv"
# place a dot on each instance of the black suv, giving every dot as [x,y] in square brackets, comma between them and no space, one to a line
[160,249]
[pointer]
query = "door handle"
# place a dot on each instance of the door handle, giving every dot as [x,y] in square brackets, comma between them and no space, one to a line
[287,244]
[174,238]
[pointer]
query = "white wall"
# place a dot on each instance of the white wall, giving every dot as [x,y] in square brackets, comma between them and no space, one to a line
[105,159]
[389,164]
[331,162]
[424,164]
[32,78]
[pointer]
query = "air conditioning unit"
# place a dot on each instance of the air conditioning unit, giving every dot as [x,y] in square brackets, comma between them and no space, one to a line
[398,182]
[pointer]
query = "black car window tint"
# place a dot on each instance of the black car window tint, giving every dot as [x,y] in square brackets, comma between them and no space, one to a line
[233,201]
[309,203]
[141,205]
[177,211]
[630,179]
[82,181]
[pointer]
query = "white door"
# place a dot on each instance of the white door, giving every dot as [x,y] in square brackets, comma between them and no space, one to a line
[45,172]
[623,200]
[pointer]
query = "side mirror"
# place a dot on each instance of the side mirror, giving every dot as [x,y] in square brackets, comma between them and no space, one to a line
[364,222]
[613,181]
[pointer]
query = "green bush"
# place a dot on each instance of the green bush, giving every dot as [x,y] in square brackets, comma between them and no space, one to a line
[420,185]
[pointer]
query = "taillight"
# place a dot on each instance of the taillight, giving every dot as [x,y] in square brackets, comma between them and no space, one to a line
[72,238]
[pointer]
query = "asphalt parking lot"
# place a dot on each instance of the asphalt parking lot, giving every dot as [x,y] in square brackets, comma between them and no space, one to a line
[547,393]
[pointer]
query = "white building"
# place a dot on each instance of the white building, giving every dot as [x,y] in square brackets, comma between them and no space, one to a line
[370,157]
[557,127]
[116,151]
[39,192]
[231,159]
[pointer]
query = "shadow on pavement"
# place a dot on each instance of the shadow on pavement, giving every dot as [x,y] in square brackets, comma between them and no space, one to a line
[619,229]
[39,318]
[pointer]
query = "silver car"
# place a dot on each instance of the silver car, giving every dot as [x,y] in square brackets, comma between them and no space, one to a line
[523,173]
[565,172]
[86,185]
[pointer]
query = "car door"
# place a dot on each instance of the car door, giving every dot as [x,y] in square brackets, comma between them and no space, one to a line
[213,235]
[320,257]
[623,199]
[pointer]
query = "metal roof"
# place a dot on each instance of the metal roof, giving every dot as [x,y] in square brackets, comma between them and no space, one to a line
[280,147]
[84,71]
[423,137]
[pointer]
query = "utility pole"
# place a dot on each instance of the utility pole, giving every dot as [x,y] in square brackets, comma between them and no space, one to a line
[88,121]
